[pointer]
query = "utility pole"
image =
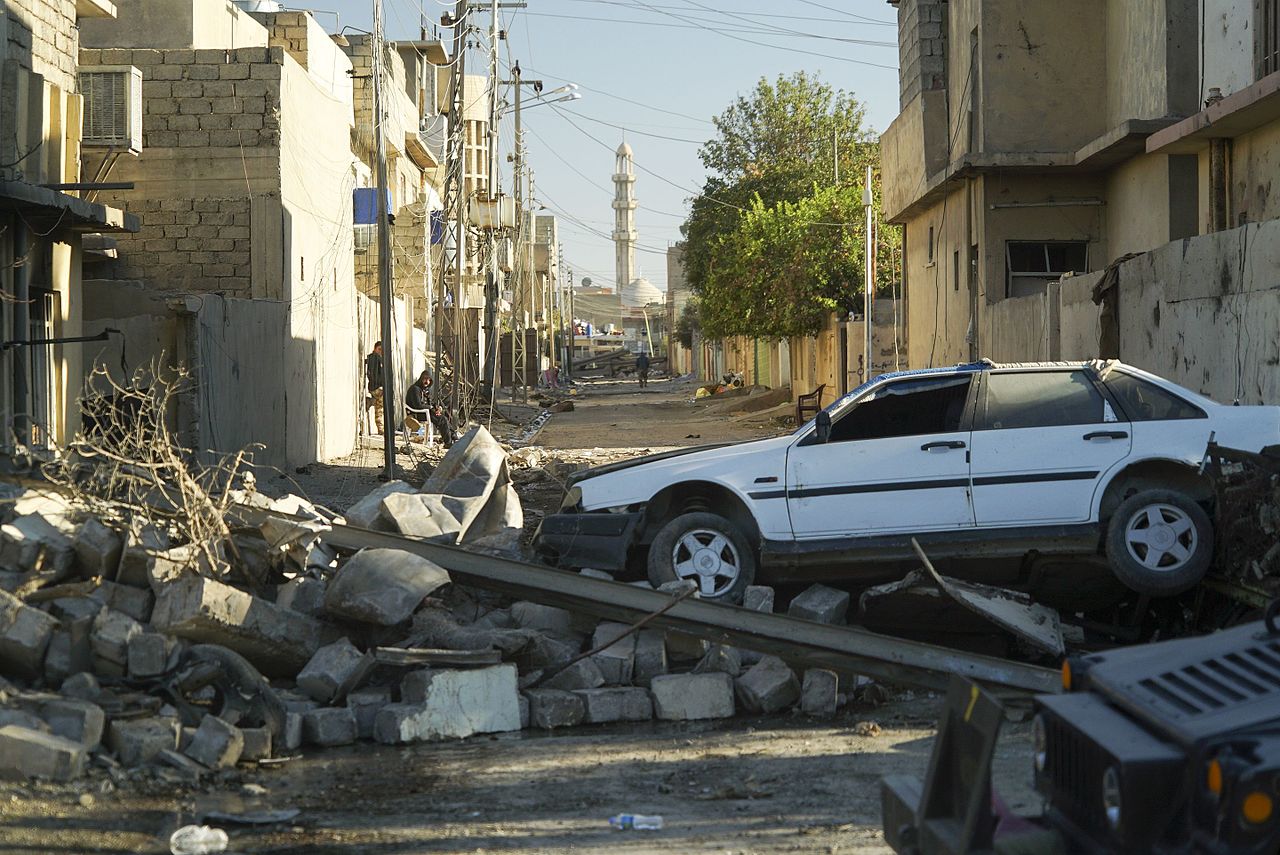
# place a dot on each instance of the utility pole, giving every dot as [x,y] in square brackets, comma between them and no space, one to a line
[453,257]
[389,396]
[491,243]
[869,257]
[517,285]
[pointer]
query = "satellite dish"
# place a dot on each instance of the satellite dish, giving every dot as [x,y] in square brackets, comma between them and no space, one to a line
[586,281]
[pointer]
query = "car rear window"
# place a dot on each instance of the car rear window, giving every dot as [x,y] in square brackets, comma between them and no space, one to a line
[1146,402]
[1041,399]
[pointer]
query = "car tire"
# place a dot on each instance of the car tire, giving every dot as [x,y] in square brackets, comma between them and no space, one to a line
[708,549]
[1160,542]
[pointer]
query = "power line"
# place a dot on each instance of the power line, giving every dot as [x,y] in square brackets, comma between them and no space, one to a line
[702,25]
[864,21]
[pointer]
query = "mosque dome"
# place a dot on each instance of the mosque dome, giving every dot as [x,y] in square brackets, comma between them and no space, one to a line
[641,292]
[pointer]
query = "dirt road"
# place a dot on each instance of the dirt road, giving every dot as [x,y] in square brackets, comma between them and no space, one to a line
[745,785]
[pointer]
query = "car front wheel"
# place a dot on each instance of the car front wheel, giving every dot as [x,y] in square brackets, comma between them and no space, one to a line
[707,549]
[1160,542]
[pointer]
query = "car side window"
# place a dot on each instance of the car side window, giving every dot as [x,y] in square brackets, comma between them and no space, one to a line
[1042,399]
[1147,402]
[905,408]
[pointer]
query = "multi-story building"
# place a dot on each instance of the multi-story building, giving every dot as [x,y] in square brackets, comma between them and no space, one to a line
[1037,140]
[51,142]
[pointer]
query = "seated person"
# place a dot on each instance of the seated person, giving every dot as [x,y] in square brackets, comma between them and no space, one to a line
[417,404]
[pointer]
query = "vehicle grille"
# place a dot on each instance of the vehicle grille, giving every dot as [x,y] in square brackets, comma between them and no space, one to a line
[1074,766]
[1218,683]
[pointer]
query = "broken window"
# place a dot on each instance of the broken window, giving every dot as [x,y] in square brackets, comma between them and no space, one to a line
[1041,399]
[906,408]
[1146,402]
[1033,264]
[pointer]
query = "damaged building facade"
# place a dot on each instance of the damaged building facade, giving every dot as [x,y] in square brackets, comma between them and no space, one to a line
[249,266]
[1088,180]
[48,227]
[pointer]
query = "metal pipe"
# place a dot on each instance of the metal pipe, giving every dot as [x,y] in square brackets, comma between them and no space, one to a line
[1218,196]
[1066,203]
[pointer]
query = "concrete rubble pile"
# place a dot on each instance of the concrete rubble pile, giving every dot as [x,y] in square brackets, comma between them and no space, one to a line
[123,655]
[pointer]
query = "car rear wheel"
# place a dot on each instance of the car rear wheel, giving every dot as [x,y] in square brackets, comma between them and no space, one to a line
[1160,542]
[707,549]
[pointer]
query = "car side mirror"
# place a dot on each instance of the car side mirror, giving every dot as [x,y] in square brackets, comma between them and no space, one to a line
[823,423]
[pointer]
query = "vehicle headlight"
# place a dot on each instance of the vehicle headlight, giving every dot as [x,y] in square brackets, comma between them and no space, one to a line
[1111,800]
[1257,807]
[1213,778]
[1040,742]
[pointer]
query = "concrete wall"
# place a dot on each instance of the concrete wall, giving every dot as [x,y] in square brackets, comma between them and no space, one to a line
[175,24]
[1228,46]
[1255,175]
[41,35]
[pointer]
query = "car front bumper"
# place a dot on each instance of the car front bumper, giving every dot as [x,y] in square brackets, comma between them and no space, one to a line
[600,541]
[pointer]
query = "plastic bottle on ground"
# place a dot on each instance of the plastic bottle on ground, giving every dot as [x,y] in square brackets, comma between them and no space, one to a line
[198,840]
[639,822]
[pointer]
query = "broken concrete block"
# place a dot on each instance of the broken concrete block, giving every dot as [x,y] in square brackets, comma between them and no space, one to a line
[57,658]
[651,656]
[524,711]
[24,636]
[216,744]
[583,674]
[257,743]
[328,669]
[68,609]
[545,618]
[10,580]
[136,741]
[617,661]
[367,513]
[149,654]
[138,557]
[329,726]
[676,587]
[382,586]
[768,686]
[24,540]
[82,685]
[110,637]
[758,598]
[23,718]
[190,770]
[683,647]
[457,704]
[545,652]
[135,602]
[722,658]
[292,735]
[97,549]
[551,708]
[414,686]
[365,703]
[685,697]
[819,693]
[33,754]
[303,594]
[622,703]
[277,641]
[822,604]
[296,701]
[74,719]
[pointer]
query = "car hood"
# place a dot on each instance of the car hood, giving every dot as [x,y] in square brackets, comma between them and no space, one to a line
[696,456]
[606,468]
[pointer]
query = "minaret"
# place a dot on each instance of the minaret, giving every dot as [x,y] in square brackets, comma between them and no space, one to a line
[624,217]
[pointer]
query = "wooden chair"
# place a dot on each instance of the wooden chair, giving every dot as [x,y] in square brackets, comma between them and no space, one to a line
[809,405]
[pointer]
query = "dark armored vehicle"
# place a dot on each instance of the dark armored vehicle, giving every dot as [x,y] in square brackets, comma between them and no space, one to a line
[1172,747]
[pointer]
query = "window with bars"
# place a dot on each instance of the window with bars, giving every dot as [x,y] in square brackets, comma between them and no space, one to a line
[1031,265]
[1266,35]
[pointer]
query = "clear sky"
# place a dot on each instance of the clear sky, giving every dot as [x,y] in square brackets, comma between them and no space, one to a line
[654,71]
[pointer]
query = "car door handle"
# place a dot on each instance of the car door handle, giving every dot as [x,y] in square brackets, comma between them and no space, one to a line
[946,443]
[1107,434]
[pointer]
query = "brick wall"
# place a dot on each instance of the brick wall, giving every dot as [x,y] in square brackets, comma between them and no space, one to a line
[42,36]
[189,245]
[287,30]
[922,47]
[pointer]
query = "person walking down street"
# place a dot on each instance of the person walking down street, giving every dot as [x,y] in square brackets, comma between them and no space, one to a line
[642,368]
[418,406]
[373,382]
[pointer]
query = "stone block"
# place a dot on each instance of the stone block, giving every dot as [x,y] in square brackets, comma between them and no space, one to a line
[329,726]
[583,674]
[57,658]
[524,711]
[211,56]
[622,703]
[110,637]
[74,719]
[237,71]
[685,697]
[276,640]
[382,586]
[82,685]
[24,636]
[149,654]
[546,653]
[24,540]
[302,594]
[257,743]
[769,686]
[216,744]
[367,512]
[97,549]
[683,647]
[545,618]
[552,708]
[292,735]
[758,598]
[822,604]
[457,704]
[33,754]
[24,719]
[136,741]
[132,601]
[819,693]
[617,661]
[365,703]
[721,658]
[137,556]
[328,669]
[651,656]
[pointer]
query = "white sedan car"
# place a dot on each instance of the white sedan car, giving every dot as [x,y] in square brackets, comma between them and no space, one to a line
[979,461]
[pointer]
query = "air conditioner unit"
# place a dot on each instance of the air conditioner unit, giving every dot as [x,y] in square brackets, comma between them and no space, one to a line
[112,107]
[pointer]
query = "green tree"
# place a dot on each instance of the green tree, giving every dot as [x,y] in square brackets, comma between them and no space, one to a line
[774,243]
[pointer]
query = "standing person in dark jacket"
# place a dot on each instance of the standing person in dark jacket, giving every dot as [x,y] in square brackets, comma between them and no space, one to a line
[373,382]
[642,368]
[417,402]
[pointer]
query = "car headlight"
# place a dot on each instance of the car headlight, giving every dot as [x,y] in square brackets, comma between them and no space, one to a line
[1257,808]
[1040,742]
[1111,800]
